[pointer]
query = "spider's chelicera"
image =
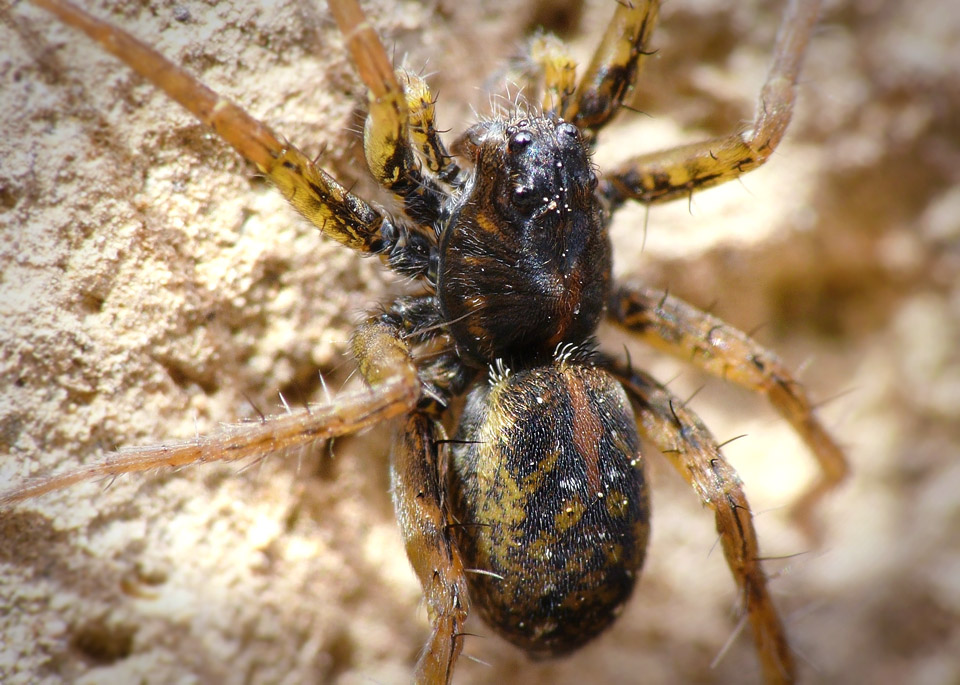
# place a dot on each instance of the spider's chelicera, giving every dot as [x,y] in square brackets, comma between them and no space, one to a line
[535,512]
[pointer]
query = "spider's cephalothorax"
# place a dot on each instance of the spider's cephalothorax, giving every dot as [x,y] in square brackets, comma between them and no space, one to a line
[525,260]
[537,510]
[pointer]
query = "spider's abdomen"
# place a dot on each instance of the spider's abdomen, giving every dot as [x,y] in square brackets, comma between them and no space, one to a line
[551,503]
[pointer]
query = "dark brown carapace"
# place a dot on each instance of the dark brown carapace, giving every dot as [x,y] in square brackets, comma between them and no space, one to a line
[529,228]
[536,511]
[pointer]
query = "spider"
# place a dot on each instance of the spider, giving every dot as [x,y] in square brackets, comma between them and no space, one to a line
[534,509]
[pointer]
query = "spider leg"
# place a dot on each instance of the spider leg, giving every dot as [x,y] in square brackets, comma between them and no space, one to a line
[385,363]
[677,172]
[614,66]
[348,413]
[418,496]
[425,523]
[388,141]
[421,104]
[693,451]
[672,325]
[553,60]
[313,192]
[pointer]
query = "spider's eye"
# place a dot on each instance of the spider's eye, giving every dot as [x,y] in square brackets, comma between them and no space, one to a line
[518,141]
[568,130]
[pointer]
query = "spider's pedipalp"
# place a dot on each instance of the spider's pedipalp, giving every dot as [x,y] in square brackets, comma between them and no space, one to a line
[389,136]
[421,104]
[559,72]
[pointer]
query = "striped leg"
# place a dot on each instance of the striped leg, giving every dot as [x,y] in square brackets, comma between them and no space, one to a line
[669,174]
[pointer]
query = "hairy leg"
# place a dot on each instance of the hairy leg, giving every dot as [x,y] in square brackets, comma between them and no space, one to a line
[425,524]
[694,452]
[614,67]
[684,331]
[669,174]
[419,502]
[395,390]
[340,214]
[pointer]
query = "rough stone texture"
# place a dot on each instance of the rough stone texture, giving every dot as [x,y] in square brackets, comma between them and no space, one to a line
[150,287]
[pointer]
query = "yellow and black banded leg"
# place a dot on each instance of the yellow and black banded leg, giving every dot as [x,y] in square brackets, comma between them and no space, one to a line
[693,451]
[677,172]
[313,192]
[421,105]
[553,59]
[388,142]
[688,333]
[614,67]
[419,502]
